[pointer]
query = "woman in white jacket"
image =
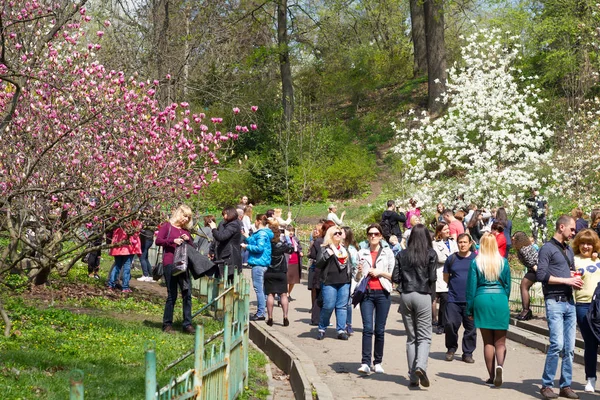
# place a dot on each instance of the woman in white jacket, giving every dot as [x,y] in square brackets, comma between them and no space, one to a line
[376,265]
[443,245]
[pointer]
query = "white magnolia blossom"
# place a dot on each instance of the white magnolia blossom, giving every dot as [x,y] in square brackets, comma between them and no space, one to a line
[579,155]
[488,147]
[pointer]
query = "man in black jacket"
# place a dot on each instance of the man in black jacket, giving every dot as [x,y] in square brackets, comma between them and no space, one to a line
[555,264]
[391,218]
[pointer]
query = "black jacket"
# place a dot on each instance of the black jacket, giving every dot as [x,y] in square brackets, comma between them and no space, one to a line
[415,278]
[332,271]
[278,256]
[394,218]
[593,314]
[228,237]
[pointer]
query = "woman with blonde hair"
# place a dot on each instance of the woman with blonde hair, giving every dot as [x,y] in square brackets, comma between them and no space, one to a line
[488,291]
[585,244]
[282,222]
[170,235]
[335,274]
[332,216]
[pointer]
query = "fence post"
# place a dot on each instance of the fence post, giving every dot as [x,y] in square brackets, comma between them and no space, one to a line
[198,360]
[76,380]
[228,327]
[150,372]
[245,320]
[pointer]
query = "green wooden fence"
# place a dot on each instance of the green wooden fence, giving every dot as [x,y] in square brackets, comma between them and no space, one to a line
[220,371]
[535,294]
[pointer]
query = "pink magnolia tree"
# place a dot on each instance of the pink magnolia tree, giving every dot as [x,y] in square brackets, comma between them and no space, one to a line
[83,148]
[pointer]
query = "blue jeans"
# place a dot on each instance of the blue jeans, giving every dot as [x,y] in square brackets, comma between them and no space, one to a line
[374,306]
[258,281]
[146,267]
[561,318]
[349,309]
[125,263]
[334,297]
[590,353]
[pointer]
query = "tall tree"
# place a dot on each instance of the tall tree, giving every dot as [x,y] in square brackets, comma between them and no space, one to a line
[417,20]
[436,54]
[287,87]
[160,19]
[490,145]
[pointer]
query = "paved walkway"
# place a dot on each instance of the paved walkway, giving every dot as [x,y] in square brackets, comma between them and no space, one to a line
[337,362]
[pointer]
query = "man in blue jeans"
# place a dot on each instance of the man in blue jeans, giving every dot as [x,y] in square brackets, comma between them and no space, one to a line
[555,266]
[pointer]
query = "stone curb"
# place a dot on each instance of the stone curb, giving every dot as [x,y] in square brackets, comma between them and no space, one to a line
[304,379]
[535,336]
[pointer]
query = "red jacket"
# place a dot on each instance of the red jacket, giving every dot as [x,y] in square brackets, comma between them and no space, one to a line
[131,246]
[501,239]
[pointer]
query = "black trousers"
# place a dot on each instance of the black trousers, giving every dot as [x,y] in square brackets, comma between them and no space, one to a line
[456,314]
[183,282]
[443,296]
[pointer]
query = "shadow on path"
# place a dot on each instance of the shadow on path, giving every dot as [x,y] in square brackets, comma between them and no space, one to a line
[529,386]
[351,368]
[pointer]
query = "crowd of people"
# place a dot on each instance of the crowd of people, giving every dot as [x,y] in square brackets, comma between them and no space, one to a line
[450,272]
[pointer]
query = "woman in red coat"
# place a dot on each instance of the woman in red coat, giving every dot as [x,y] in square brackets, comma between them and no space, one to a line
[127,237]
[498,231]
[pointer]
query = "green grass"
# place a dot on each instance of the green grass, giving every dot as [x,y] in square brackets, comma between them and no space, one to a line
[257,380]
[105,338]
[48,343]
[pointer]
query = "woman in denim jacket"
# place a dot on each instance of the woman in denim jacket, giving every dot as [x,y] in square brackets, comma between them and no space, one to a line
[376,265]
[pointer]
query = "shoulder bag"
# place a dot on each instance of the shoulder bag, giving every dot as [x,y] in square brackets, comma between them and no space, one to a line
[158,270]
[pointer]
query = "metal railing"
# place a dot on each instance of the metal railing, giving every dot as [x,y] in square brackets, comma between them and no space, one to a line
[535,294]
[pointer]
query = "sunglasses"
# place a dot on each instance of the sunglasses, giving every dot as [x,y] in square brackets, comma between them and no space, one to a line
[337,234]
[376,234]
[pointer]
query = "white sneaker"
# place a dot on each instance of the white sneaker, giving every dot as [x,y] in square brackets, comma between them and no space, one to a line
[141,279]
[590,387]
[498,377]
[149,279]
[364,369]
[378,369]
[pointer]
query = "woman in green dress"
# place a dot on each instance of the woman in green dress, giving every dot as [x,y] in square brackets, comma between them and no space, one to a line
[488,290]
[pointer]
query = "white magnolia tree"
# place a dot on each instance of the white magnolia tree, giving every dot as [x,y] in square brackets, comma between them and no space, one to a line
[489,146]
[579,158]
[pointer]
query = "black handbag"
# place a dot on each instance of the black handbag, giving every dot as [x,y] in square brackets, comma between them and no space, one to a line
[158,270]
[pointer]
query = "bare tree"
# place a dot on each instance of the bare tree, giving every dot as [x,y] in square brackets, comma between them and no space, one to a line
[287,88]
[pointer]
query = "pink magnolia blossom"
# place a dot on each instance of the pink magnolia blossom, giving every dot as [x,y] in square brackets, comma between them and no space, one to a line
[236,110]
[254,108]
[80,131]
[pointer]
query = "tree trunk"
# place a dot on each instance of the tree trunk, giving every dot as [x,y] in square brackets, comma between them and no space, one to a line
[6,319]
[160,22]
[287,87]
[436,54]
[417,20]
